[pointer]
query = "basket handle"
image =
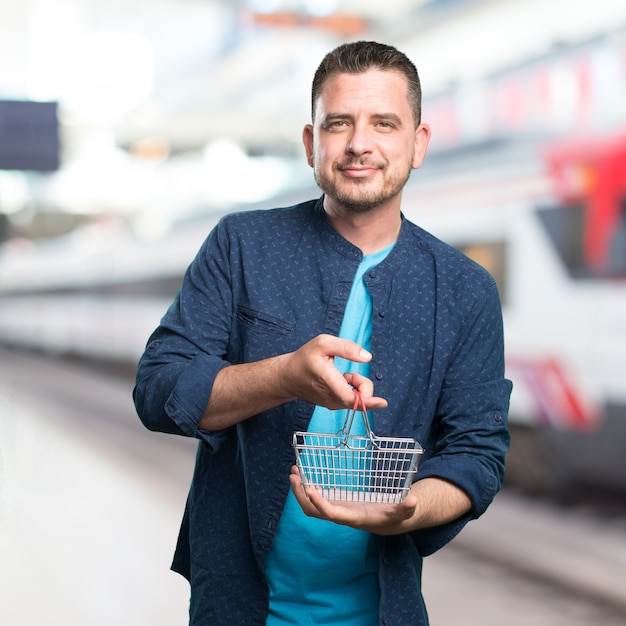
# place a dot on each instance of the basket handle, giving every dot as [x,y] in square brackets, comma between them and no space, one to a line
[359,405]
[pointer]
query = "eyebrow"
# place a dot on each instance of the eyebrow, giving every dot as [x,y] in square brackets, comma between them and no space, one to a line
[376,116]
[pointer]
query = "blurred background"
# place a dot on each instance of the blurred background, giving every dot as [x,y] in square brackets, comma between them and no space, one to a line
[127,128]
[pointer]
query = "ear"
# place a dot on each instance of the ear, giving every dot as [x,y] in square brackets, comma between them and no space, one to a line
[420,142]
[307,140]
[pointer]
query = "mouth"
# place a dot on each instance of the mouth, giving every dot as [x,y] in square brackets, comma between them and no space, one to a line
[354,170]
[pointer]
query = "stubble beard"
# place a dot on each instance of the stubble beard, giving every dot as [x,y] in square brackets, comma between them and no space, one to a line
[353,194]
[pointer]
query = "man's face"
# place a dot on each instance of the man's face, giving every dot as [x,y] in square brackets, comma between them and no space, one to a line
[363,142]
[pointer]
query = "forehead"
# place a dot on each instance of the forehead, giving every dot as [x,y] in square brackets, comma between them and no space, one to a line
[375,90]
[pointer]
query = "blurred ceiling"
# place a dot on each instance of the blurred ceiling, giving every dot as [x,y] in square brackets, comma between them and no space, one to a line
[192,71]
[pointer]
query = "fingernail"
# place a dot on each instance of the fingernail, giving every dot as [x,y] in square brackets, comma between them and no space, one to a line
[364,354]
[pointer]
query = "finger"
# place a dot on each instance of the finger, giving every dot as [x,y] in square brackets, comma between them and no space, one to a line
[327,509]
[301,494]
[366,388]
[312,502]
[346,349]
[295,479]
[364,385]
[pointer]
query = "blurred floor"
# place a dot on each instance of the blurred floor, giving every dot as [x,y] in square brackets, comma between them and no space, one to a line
[461,590]
[84,540]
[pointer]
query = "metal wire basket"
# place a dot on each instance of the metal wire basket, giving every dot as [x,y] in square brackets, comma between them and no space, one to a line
[357,468]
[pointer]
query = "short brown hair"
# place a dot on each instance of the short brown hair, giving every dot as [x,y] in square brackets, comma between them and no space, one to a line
[360,56]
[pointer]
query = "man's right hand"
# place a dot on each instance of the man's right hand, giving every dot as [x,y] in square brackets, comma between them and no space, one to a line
[312,374]
[309,373]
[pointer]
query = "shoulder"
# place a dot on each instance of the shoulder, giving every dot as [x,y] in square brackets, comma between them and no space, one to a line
[268,232]
[270,218]
[449,263]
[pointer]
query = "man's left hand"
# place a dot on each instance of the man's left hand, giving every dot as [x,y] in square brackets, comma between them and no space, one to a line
[374,517]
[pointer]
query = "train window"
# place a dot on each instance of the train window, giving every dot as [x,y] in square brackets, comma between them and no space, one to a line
[565,227]
[492,256]
[617,249]
[588,246]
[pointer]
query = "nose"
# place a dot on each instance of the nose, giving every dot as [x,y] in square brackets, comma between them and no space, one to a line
[360,140]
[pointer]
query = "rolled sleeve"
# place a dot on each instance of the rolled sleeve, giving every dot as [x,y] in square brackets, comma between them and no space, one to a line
[474,463]
[469,439]
[473,440]
[185,353]
[187,402]
[172,397]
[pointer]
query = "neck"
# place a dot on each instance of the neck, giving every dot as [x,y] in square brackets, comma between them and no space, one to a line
[370,231]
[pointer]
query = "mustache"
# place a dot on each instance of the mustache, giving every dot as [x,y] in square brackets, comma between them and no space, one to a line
[344,165]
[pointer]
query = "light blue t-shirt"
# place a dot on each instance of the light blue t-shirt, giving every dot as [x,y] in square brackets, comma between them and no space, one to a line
[320,572]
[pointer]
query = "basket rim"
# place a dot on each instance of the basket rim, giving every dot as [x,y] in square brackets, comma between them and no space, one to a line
[341,439]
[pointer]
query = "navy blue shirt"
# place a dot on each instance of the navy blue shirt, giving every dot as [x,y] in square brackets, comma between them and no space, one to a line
[263,284]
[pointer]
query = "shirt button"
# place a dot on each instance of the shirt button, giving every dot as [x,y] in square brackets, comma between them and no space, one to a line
[379,375]
[373,274]
[382,313]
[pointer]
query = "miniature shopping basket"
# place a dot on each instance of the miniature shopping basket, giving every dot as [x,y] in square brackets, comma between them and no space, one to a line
[358,468]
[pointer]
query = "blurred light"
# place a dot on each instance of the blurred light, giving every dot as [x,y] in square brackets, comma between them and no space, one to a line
[321,8]
[232,176]
[14,193]
[152,150]
[103,179]
[265,6]
[107,75]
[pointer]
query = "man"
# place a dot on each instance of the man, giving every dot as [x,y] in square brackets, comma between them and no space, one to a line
[285,313]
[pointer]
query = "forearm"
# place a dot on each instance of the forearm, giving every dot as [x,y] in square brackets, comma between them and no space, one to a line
[240,391]
[438,502]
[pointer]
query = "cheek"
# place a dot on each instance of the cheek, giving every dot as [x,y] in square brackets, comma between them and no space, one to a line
[405,153]
[321,158]
[332,148]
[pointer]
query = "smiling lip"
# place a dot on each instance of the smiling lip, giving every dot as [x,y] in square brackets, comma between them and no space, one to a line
[358,171]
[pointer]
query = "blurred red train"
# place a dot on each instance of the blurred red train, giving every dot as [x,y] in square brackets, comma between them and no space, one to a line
[549,222]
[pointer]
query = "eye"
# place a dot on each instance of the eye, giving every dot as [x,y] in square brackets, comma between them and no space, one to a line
[385,122]
[335,123]
[384,125]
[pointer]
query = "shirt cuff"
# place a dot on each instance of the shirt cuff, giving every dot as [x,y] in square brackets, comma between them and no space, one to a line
[188,400]
[466,472]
